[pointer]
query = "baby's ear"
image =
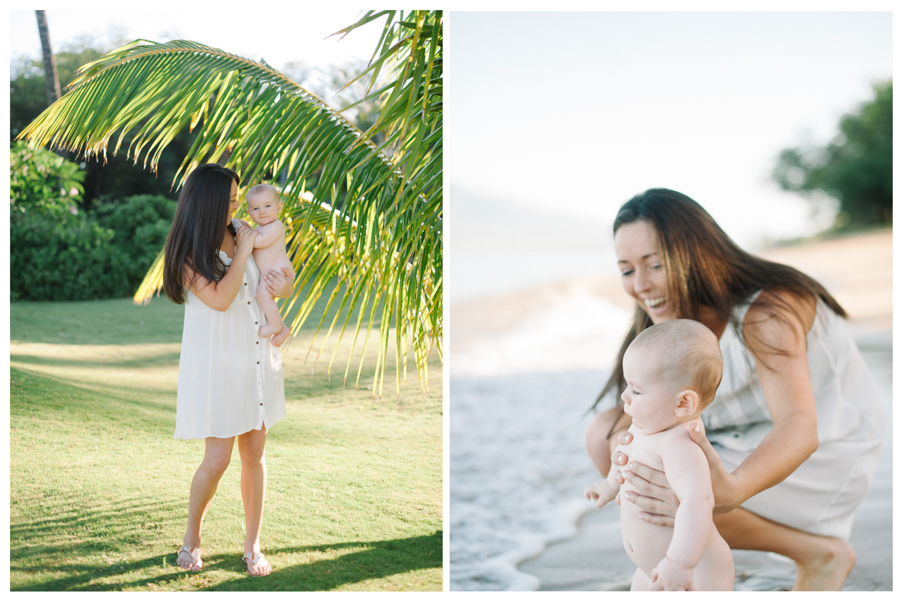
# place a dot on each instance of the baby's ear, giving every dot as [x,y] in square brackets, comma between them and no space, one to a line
[688,401]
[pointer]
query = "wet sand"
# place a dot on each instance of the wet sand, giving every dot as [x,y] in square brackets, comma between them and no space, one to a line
[488,338]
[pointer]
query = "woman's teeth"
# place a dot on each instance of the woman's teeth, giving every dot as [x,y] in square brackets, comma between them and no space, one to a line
[654,302]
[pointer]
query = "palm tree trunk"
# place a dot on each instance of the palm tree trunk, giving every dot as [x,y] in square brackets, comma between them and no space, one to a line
[53,92]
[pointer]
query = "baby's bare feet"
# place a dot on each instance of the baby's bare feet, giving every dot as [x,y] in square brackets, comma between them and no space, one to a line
[279,338]
[270,329]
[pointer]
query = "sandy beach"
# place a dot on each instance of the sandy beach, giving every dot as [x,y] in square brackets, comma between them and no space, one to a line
[558,340]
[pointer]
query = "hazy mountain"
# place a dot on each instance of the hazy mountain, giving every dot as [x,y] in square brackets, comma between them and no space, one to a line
[479,223]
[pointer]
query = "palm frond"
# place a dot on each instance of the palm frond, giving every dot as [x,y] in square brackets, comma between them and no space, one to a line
[371,224]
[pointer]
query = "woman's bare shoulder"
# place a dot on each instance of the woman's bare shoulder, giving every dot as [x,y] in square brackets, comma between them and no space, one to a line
[779,319]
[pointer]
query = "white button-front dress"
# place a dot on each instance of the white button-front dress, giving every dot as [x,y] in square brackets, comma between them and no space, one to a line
[229,379]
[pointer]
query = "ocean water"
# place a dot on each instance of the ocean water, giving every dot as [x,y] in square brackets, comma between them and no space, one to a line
[518,410]
[517,471]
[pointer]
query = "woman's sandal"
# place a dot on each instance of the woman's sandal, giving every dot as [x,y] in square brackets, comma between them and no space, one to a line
[194,553]
[254,559]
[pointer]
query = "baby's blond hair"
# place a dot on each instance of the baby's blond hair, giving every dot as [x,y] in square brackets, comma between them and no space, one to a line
[261,188]
[688,353]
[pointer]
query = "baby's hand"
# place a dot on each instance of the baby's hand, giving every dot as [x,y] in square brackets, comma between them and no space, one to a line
[600,493]
[671,577]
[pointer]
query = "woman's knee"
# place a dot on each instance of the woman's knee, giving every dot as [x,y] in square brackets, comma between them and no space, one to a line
[217,456]
[252,446]
[216,463]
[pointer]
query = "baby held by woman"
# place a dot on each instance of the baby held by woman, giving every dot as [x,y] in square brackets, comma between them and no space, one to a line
[269,252]
[672,371]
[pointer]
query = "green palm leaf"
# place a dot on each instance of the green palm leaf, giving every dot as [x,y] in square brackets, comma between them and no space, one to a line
[372,221]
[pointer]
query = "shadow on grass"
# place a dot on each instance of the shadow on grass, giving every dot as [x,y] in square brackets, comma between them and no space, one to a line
[61,399]
[161,359]
[371,560]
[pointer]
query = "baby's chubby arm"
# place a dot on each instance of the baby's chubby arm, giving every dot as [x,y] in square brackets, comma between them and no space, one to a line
[687,470]
[268,234]
[604,491]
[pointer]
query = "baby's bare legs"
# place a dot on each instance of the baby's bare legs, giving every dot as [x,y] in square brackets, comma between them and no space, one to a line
[640,582]
[823,563]
[270,309]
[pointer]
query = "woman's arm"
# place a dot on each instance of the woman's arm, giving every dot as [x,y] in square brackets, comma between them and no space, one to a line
[777,340]
[218,295]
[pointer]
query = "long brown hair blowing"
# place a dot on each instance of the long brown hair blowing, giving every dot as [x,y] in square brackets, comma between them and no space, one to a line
[704,268]
[198,229]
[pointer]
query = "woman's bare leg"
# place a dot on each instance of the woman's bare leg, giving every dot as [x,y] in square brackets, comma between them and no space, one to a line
[203,487]
[823,563]
[252,446]
[598,440]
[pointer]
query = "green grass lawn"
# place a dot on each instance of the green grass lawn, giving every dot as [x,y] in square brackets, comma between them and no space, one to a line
[99,487]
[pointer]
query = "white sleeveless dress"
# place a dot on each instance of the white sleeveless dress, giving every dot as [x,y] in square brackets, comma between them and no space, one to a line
[229,379]
[821,496]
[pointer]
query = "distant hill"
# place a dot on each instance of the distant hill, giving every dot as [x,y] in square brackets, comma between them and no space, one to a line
[478,223]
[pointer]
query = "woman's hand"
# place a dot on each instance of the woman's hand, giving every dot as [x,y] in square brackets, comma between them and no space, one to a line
[280,283]
[244,240]
[654,495]
[724,486]
[651,488]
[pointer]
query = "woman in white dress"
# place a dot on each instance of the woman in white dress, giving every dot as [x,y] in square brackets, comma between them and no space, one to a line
[230,381]
[794,432]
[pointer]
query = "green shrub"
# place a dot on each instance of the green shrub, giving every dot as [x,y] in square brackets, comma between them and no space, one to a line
[140,224]
[60,253]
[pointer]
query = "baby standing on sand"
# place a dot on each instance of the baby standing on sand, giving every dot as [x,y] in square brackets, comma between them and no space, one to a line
[264,205]
[672,371]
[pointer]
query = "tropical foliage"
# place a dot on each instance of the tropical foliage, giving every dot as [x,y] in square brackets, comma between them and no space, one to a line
[363,215]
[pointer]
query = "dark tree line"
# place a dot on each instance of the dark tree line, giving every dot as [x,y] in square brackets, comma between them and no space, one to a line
[855,168]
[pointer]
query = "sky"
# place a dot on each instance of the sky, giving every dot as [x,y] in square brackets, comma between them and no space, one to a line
[279,38]
[582,111]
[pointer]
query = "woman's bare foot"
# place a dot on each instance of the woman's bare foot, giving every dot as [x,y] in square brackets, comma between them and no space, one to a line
[257,566]
[189,559]
[279,338]
[270,329]
[829,569]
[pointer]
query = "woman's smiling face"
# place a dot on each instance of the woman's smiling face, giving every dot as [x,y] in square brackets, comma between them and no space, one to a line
[643,274]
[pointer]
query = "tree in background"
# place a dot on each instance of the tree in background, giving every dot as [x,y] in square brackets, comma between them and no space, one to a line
[106,178]
[382,248]
[49,61]
[855,168]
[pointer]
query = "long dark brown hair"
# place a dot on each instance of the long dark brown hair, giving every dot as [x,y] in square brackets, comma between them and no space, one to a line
[704,268]
[198,229]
